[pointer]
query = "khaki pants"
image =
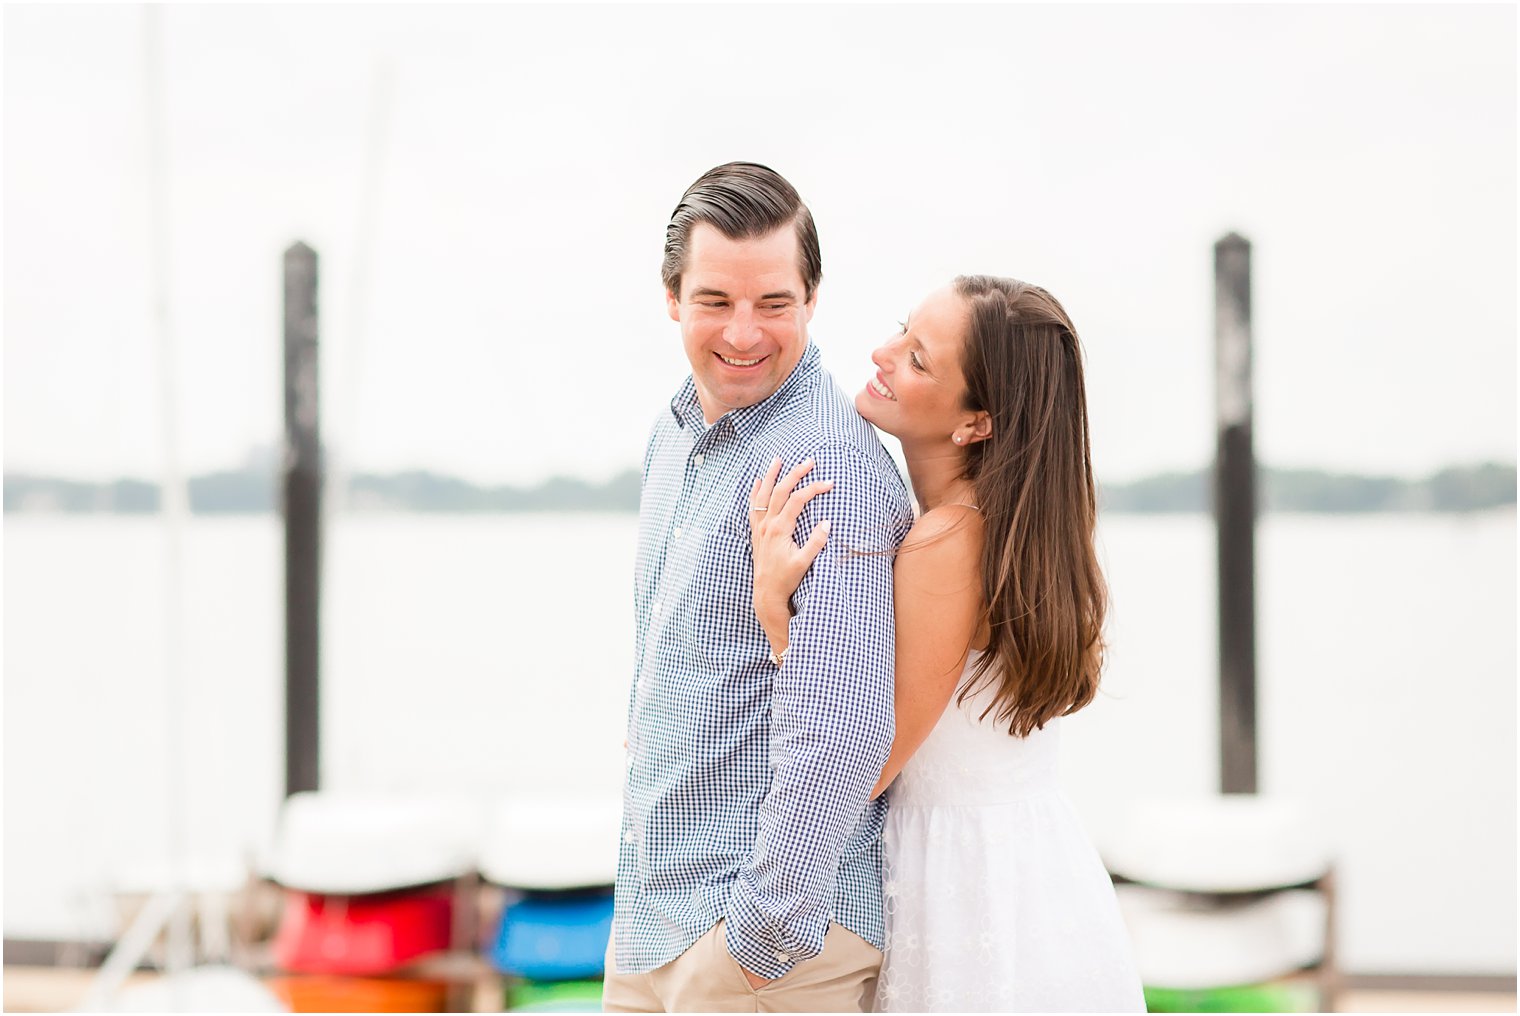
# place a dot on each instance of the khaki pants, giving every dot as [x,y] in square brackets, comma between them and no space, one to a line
[706,978]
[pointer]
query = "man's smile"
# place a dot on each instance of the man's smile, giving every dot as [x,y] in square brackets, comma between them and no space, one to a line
[732,362]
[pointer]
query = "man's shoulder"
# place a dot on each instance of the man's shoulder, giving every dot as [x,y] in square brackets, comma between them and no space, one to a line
[822,422]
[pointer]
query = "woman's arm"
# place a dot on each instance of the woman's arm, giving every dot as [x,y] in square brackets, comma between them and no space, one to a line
[937,596]
[937,590]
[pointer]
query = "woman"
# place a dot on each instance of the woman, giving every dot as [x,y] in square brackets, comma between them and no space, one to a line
[995,898]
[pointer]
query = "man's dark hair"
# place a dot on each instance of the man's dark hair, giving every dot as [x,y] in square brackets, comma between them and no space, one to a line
[742,200]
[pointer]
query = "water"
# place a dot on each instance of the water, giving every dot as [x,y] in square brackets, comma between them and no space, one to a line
[488,654]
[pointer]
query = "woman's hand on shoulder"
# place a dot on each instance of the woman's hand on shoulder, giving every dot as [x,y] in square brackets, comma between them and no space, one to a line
[779,563]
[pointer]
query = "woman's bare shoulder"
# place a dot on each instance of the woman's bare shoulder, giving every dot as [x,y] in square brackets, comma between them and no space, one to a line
[957,528]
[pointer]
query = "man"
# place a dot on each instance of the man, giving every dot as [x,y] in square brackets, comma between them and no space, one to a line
[749,874]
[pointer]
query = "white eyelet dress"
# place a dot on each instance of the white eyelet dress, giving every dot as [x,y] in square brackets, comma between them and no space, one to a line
[996,900]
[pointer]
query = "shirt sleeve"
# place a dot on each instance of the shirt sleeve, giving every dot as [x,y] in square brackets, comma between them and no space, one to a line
[831,717]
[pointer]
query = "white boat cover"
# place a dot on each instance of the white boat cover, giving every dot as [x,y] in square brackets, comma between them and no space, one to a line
[351,844]
[552,843]
[1186,942]
[1223,843]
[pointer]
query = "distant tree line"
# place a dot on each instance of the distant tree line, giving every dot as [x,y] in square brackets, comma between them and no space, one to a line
[254,490]
[1455,489]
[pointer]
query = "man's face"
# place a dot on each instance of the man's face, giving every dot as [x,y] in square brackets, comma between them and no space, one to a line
[743,315]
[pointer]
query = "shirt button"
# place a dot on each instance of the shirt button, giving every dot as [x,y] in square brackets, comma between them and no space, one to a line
[781,957]
[676,533]
[696,460]
[656,608]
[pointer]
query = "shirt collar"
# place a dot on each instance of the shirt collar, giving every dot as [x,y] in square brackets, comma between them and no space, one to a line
[687,408]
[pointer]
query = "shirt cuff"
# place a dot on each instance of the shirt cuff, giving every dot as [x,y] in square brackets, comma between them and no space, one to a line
[751,940]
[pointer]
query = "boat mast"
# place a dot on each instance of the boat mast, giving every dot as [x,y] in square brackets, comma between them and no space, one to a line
[174,499]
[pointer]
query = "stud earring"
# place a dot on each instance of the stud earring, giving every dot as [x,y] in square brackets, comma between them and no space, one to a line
[957,439]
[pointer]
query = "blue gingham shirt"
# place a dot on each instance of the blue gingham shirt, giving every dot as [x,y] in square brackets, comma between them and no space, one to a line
[747,796]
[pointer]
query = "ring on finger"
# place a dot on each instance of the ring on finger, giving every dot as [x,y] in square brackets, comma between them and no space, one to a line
[759,508]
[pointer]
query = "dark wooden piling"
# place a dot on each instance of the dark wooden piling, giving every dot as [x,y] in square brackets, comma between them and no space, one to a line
[301,504]
[1235,515]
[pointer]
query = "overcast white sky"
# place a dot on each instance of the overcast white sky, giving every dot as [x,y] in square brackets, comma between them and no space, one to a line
[513,325]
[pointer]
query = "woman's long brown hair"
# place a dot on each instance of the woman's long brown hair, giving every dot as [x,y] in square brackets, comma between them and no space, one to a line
[1044,592]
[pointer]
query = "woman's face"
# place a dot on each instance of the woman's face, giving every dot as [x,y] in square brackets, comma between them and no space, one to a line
[918,393]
